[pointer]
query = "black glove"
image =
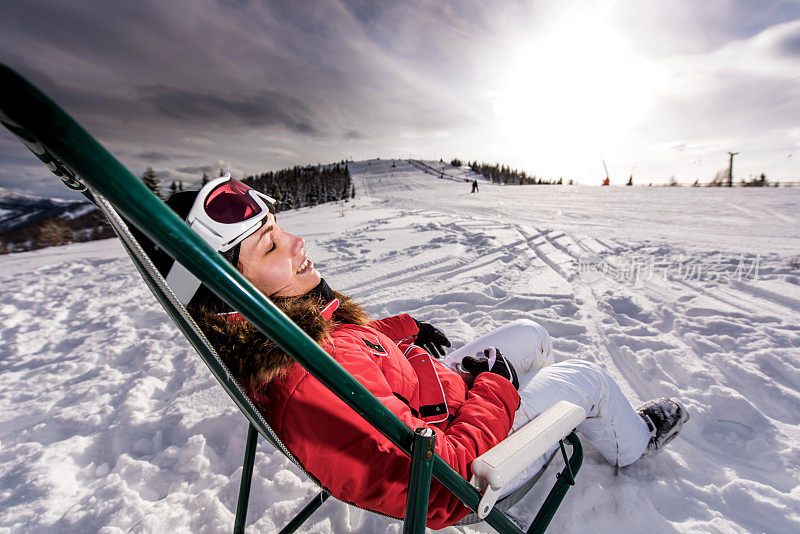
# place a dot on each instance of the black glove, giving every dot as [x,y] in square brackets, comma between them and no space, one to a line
[431,339]
[492,362]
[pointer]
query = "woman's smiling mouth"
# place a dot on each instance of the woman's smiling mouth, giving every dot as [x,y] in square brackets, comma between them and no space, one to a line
[305,266]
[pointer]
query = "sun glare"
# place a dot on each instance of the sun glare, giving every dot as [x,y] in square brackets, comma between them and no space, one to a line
[569,96]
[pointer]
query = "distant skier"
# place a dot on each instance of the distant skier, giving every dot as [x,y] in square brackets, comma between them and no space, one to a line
[474,186]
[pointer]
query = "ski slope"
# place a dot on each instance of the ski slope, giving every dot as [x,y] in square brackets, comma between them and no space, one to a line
[110,423]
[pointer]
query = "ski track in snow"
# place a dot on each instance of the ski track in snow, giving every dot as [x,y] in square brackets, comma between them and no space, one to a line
[110,423]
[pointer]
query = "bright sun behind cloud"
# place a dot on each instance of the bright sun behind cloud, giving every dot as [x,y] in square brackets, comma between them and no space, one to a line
[569,96]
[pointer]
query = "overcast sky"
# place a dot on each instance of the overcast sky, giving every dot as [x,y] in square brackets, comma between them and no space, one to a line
[654,88]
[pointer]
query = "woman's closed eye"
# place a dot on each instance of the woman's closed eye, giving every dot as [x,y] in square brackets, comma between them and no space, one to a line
[266,233]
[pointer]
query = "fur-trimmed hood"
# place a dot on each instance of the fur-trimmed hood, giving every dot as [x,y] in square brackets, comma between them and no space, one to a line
[255,360]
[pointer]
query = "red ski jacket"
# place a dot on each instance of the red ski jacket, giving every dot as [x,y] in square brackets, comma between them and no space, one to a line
[355,462]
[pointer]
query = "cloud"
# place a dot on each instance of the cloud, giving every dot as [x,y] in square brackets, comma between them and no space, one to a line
[789,42]
[791,45]
[270,84]
[267,108]
[155,157]
[352,135]
[664,29]
[197,169]
[743,96]
[22,171]
[212,169]
[151,72]
[746,84]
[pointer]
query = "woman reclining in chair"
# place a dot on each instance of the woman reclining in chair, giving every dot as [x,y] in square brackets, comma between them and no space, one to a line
[472,397]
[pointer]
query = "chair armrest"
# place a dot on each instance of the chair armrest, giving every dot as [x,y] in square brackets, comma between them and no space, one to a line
[495,468]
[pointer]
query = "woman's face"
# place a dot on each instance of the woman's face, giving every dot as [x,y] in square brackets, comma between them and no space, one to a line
[274,261]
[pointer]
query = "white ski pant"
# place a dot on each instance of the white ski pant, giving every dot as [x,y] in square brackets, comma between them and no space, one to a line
[612,426]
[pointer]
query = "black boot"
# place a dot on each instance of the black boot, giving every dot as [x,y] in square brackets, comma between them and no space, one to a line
[664,418]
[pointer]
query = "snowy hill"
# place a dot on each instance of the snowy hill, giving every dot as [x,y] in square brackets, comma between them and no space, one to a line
[28,222]
[19,209]
[110,422]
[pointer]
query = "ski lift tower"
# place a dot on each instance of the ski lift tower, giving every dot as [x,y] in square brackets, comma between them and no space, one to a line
[730,169]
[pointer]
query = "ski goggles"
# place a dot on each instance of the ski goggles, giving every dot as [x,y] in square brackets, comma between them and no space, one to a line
[224,213]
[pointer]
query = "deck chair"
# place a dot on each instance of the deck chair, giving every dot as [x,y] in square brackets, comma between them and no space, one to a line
[84,165]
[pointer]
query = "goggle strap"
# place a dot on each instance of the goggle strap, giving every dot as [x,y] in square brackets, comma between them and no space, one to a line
[182,283]
[270,201]
[205,233]
[225,247]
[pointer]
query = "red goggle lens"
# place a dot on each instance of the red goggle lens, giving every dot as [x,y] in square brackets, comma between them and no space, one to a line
[230,203]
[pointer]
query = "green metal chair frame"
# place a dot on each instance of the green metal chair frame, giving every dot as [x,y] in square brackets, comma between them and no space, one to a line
[85,166]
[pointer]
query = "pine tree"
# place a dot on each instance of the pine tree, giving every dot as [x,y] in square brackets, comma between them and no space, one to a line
[204,180]
[298,186]
[52,232]
[173,187]
[151,181]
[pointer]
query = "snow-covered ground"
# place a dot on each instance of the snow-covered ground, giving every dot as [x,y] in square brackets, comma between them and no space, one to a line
[110,423]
